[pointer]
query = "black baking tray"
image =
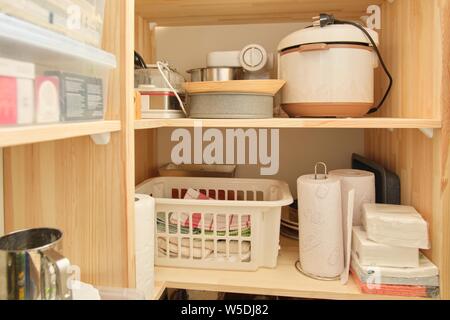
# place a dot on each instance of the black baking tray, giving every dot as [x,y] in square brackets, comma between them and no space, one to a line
[387,183]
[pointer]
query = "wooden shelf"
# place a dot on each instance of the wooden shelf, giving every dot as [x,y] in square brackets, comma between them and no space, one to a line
[159,290]
[219,12]
[361,123]
[13,136]
[284,281]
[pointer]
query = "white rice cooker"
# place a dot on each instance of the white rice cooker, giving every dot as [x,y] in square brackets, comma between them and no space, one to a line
[329,72]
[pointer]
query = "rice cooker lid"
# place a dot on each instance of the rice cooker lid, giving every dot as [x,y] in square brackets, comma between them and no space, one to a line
[330,34]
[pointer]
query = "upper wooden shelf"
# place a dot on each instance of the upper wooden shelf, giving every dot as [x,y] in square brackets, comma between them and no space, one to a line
[284,280]
[13,136]
[220,12]
[362,123]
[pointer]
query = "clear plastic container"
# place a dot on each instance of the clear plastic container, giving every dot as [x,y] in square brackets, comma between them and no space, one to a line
[81,20]
[152,76]
[49,78]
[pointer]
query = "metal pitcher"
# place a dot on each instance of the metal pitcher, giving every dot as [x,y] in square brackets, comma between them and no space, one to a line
[31,267]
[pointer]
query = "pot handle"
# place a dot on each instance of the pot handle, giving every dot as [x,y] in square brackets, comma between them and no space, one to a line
[62,266]
[313,47]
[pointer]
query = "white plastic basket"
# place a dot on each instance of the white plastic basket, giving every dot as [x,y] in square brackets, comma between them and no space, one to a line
[240,230]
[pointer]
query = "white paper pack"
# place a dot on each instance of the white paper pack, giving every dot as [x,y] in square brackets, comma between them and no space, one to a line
[394,225]
[426,274]
[371,253]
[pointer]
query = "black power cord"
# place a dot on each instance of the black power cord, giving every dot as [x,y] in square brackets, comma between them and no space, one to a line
[327,19]
[139,62]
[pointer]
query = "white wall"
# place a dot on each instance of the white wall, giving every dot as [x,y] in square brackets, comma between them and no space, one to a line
[186,48]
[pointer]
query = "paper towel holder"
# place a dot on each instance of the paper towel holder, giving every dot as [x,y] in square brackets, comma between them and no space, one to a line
[299,268]
[324,165]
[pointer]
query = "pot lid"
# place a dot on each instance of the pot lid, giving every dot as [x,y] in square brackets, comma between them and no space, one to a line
[332,33]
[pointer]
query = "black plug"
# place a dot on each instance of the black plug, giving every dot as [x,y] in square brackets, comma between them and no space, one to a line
[323,20]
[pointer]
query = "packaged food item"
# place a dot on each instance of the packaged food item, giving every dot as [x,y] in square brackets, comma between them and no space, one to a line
[17,92]
[47,99]
[25,101]
[8,101]
[81,96]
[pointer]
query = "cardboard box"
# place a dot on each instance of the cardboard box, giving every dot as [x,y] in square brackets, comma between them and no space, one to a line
[47,100]
[17,69]
[23,73]
[25,101]
[8,100]
[81,97]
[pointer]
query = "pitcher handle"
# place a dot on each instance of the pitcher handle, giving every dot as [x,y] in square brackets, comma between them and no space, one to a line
[62,265]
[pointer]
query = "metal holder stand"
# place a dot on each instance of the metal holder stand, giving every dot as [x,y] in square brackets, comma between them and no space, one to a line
[299,268]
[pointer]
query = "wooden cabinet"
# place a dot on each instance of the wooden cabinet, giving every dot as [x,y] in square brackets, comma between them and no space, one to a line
[88,190]
[82,188]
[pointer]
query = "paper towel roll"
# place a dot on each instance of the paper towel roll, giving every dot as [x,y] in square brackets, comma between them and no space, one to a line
[320,231]
[363,182]
[145,244]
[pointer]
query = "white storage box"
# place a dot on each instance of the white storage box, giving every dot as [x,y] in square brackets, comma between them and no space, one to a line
[395,225]
[239,230]
[371,253]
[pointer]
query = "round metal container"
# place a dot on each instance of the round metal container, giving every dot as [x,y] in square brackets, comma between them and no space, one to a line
[216,74]
[231,106]
[31,267]
[223,74]
[197,75]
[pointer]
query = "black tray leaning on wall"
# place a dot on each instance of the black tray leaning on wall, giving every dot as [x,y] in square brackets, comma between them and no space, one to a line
[387,183]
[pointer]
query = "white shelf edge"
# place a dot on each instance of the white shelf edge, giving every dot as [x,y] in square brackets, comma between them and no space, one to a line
[28,34]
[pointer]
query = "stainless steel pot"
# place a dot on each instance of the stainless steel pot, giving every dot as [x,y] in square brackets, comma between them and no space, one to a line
[31,267]
[198,75]
[216,74]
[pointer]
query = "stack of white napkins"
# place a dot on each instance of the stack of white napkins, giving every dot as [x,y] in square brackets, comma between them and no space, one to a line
[400,226]
[370,253]
[386,252]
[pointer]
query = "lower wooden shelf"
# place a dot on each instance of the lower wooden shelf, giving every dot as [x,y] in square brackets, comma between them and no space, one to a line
[332,123]
[283,281]
[13,136]
[160,287]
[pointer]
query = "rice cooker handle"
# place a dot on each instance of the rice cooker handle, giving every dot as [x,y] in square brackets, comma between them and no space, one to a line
[313,47]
